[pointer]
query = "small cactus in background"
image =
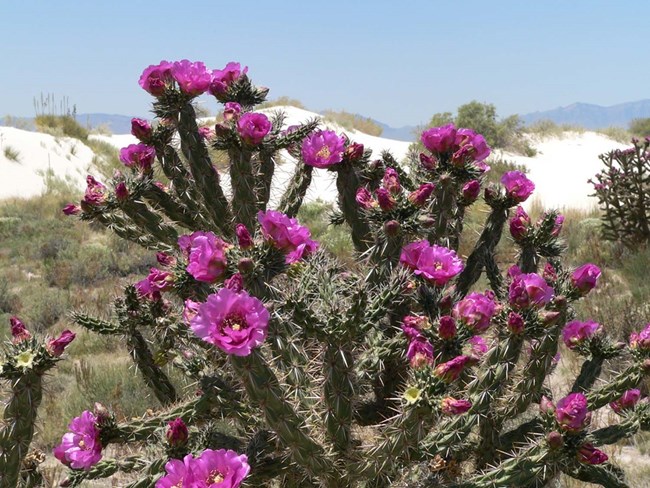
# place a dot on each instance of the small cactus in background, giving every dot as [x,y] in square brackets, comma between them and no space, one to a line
[312,373]
[23,362]
[623,192]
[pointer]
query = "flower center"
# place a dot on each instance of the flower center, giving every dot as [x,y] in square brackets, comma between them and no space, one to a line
[437,266]
[82,444]
[235,321]
[179,484]
[215,477]
[324,152]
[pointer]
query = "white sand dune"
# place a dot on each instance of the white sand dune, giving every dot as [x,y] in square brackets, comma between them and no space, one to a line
[560,169]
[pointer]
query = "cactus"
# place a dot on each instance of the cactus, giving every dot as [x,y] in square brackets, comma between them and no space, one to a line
[394,371]
[622,189]
[25,360]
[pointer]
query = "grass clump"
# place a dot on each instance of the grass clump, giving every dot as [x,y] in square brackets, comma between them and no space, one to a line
[12,154]
[353,122]
[61,125]
[283,101]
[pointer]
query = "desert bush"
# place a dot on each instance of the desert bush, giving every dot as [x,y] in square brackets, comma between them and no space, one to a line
[547,128]
[61,125]
[11,154]
[353,122]
[623,192]
[281,102]
[389,369]
[640,127]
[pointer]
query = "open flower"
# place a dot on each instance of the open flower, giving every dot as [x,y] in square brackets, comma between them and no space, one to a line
[253,127]
[25,359]
[529,290]
[518,186]
[57,346]
[80,448]
[138,155]
[576,332]
[452,406]
[585,278]
[627,400]
[475,311]
[571,412]
[179,473]
[419,352]
[223,78]
[234,322]
[192,78]
[220,469]
[322,149]
[156,78]
[206,255]
[287,235]
[439,139]
[452,369]
[641,340]
[95,192]
[435,264]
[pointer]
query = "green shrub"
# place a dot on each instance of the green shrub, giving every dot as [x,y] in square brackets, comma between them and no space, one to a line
[61,125]
[282,101]
[43,306]
[353,122]
[640,127]
[12,154]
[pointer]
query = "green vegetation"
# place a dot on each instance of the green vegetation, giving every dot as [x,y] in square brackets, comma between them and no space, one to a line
[353,122]
[640,127]
[61,125]
[11,154]
[282,101]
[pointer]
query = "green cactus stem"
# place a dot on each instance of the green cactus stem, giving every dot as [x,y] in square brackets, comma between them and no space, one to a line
[347,183]
[243,181]
[296,190]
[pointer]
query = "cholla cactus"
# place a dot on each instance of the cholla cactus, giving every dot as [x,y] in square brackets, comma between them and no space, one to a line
[623,191]
[23,363]
[397,371]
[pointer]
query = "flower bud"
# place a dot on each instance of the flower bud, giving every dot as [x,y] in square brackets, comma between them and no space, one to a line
[392,228]
[364,198]
[121,191]
[141,129]
[588,454]
[385,199]
[102,414]
[56,346]
[245,265]
[555,440]
[451,406]
[234,283]
[519,224]
[391,181]
[165,259]
[19,332]
[428,162]
[447,327]
[420,196]
[244,238]
[71,209]
[471,191]
[354,152]
[190,310]
[177,433]
[231,110]
[585,278]
[515,323]
[627,401]
[546,405]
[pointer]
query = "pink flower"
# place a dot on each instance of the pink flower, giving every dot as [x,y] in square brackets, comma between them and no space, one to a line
[234,322]
[95,192]
[253,127]
[471,145]
[529,290]
[121,191]
[641,340]
[627,400]
[19,332]
[71,209]
[165,259]
[471,190]
[206,255]
[428,162]
[364,198]
[575,333]
[549,273]
[391,181]
[206,133]
[322,149]
[234,283]
[56,347]
[177,433]
[420,196]
[156,78]
[571,412]
[515,323]
[451,370]
[231,110]
[146,290]
[220,469]
[192,78]
[451,406]
[179,474]
[190,310]
[475,311]
[557,228]
[419,352]
[287,235]
[585,278]
[141,129]
[588,454]
[519,224]
[80,448]
[477,347]
[244,238]
[354,151]
[439,139]
[223,78]
[434,263]
[518,186]
[447,327]
[385,199]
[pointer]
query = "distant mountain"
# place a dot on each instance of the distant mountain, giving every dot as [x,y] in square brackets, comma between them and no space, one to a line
[117,124]
[405,133]
[592,116]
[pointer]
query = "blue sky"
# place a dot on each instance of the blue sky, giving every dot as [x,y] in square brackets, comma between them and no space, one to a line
[396,61]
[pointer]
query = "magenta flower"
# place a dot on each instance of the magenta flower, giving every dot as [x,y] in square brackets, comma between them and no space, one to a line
[235,283]
[121,191]
[206,133]
[179,474]
[471,190]
[223,78]
[419,352]
[192,78]
[244,238]
[95,192]
[165,259]
[391,181]
[471,145]
[146,290]
[627,400]
[452,406]
[80,448]
[641,340]
[412,325]
[428,162]
[220,469]
[354,151]
[549,274]
[138,155]
[529,290]
[385,199]
[585,278]
[477,347]
[515,323]
[571,412]
[475,311]
[231,110]
[364,198]
[156,78]
[71,209]
[447,327]
[234,322]
[19,332]
[588,454]
[519,224]
[575,333]
[518,186]
[190,310]
[557,228]
[420,196]
[206,255]
[322,149]
[439,139]
[452,369]
[177,433]
[434,263]
[141,129]
[253,127]
[287,235]
[57,346]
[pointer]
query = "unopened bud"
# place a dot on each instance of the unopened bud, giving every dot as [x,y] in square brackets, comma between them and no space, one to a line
[555,440]
[245,265]
[392,228]
[177,433]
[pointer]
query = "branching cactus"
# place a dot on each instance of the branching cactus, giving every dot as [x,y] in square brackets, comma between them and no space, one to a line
[623,192]
[396,371]
[23,363]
